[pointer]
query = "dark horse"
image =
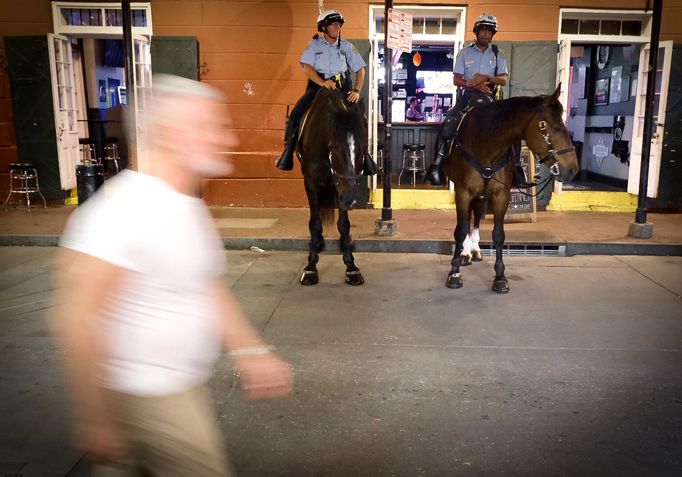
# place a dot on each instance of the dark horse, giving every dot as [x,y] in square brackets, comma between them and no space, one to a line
[332,147]
[480,166]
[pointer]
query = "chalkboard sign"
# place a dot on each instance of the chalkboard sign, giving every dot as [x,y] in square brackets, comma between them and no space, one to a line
[521,207]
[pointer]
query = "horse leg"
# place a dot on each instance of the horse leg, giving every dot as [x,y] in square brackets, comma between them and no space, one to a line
[466,254]
[500,284]
[353,275]
[461,230]
[310,274]
[479,213]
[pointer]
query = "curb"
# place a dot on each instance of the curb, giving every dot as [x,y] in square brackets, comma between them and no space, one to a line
[443,247]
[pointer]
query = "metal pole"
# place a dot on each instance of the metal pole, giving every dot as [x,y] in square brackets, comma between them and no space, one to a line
[386,212]
[640,214]
[129,65]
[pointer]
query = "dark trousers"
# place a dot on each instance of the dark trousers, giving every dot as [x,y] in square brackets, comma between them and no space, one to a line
[468,98]
[303,104]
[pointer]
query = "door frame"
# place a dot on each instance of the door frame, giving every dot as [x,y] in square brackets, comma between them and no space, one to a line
[564,60]
[375,67]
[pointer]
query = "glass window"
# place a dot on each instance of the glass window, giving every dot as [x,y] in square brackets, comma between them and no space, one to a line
[432,26]
[589,27]
[139,18]
[610,27]
[569,25]
[449,26]
[380,25]
[417,26]
[633,28]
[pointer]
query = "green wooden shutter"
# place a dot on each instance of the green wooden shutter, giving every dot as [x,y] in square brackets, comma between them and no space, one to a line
[176,55]
[532,68]
[29,78]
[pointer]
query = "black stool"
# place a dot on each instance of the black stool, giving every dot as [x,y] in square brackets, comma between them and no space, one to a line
[413,161]
[23,179]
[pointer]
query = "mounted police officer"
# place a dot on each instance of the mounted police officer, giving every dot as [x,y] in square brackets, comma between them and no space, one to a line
[480,72]
[327,62]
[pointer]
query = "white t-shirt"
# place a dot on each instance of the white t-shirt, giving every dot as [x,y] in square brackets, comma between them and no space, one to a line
[160,328]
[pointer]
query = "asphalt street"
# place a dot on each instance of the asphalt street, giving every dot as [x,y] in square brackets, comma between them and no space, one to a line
[576,372]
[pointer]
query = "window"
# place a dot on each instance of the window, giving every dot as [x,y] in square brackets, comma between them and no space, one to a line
[597,23]
[99,18]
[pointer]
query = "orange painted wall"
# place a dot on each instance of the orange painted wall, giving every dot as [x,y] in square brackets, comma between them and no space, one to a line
[250,50]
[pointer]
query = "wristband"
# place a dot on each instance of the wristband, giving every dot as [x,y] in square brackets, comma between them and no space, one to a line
[356,91]
[255,351]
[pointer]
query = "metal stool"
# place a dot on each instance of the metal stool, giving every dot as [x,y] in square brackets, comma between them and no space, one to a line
[413,161]
[111,153]
[87,149]
[23,179]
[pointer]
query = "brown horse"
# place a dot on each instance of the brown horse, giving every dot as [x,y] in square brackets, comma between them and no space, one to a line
[332,148]
[480,166]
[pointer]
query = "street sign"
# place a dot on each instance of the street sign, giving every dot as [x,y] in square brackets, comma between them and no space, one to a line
[399,31]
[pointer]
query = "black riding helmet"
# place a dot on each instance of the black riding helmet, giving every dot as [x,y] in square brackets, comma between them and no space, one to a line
[327,18]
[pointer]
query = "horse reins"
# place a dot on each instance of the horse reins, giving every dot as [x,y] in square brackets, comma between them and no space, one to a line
[487,173]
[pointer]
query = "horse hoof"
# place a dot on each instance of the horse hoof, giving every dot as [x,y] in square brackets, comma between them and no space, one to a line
[501,286]
[454,280]
[354,278]
[465,260]
[310,277]
[476,256]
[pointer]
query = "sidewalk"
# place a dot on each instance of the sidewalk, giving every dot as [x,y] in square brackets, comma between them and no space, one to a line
[575,233]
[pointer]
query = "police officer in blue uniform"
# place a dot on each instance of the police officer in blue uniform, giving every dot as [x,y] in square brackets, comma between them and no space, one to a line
[326,62]
[480,71]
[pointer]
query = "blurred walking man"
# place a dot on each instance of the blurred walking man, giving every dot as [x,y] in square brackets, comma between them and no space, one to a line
[144,313]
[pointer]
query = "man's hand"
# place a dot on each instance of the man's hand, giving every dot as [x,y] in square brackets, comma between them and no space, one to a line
[353,96]
[477,80]
[329,84]
[264,376]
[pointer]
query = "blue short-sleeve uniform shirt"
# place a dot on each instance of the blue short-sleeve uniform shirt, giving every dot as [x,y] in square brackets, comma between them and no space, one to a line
[330,60]
[471,60]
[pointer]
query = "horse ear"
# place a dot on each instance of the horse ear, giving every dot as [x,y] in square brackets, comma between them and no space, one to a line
[557,92]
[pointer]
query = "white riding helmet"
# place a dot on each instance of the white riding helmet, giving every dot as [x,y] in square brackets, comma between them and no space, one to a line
[487,20]
[328,17]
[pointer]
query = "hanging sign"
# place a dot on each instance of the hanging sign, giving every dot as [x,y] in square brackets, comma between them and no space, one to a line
[399,31]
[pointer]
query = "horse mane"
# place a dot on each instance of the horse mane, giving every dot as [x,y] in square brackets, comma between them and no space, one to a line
[494,118]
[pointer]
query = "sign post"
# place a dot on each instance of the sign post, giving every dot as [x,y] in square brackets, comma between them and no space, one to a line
[398,37]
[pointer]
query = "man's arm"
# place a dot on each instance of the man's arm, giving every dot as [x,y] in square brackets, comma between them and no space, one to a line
[263,373]
[83,284]
[354,96]
[315,78]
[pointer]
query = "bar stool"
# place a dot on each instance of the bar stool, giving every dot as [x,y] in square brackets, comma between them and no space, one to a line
[413,161]
[23,179]
[87,149]
[111,153]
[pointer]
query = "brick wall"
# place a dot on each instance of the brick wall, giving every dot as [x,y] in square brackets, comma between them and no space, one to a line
[250,51]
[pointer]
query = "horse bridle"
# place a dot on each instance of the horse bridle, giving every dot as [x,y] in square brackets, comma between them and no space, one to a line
[552,154]
[336,175]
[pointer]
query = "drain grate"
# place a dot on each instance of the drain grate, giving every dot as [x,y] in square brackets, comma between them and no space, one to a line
[525,250]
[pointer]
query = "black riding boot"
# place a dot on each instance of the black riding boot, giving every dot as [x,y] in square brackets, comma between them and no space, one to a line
[434,175]
[369,167]
[286,160]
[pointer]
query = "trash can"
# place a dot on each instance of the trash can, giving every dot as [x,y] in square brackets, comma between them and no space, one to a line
[89,178]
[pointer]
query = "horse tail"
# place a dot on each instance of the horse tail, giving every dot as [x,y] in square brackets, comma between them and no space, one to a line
[328,204]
